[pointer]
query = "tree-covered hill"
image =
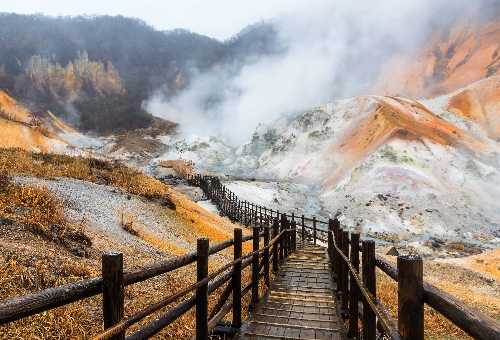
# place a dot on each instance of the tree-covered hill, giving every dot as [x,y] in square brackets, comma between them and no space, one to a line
[41,63]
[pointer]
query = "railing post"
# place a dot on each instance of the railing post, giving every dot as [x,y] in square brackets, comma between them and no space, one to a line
[338,240]
[113,297]
[282,241]
[266,256]
[368,267]
[294,235]
[410,297]
[237,279]
[276,231]
[255,267]
[247,223]
[330,241]
[336,257]
[345,271]
[287,236]
[314,229]
[354,290]
[202,292]
[303,229]
[289,240]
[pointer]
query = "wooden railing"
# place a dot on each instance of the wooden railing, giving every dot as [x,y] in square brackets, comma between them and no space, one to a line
[113,280]
[343,250]
[248,213]
[413,293]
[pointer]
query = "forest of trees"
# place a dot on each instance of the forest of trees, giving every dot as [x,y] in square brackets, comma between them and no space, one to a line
[146,59]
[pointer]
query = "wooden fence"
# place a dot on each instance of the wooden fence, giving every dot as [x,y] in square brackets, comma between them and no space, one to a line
[343,251]
[113,280]
[413,293]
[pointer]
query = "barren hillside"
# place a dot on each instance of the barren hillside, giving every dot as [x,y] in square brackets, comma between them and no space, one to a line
[456,56]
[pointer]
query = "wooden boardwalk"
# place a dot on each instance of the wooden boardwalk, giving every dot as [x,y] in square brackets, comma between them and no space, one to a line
[300,303]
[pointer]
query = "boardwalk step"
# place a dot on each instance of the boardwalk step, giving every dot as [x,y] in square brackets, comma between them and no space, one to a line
[291,317]
[300,303]
[269,336]
[306,295]
[287,325]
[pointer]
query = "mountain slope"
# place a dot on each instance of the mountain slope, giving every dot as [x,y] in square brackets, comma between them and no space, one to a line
[478,103]
[383,164]
[457,55]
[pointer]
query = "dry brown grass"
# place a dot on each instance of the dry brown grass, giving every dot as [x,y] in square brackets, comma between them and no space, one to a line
[87,169]
[37,208]
[35,269]
[436,326]
[184,167]
[22,272]
[44,266]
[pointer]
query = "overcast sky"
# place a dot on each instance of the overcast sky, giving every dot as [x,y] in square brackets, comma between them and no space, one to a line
[218,19]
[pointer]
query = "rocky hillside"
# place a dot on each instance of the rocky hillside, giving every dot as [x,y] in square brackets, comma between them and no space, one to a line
[76,66]
[458,54]
[384,164]
[69,83]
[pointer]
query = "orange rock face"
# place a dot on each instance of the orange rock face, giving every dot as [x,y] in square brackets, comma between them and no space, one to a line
[68,82]
[392,118]
[479,103]
[467,52]
[11,109]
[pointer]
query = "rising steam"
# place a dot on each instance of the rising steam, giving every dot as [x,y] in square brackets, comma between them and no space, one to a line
[330,50]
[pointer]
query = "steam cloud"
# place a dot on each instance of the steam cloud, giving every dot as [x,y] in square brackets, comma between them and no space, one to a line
[332,50]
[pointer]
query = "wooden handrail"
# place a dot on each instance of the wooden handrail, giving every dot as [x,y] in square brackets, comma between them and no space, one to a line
[283,242]
[384,318]
[472,321]
[16,308]
[30,304]
[183,292]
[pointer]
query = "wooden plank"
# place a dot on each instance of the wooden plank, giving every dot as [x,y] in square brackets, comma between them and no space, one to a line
[296,326]
[297,299]
[296,311]
[300,303]
[305,295]
[269,336]
[291,317]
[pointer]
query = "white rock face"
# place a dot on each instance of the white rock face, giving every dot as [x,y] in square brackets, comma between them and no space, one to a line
[384,165]
[206,152]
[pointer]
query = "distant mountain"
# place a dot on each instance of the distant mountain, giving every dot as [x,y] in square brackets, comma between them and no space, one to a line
[108,64]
